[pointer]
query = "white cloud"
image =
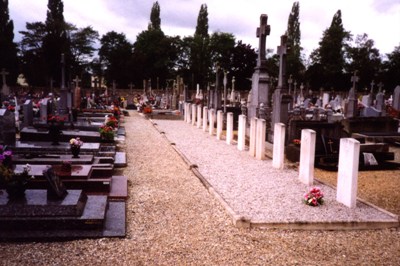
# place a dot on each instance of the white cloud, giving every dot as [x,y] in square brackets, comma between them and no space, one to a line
[378,18]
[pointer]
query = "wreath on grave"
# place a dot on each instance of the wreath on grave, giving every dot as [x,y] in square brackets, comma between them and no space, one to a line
[314,197]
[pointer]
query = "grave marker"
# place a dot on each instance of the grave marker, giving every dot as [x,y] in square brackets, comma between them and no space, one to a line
[253,136]
[211,116]
[396,98]
[229,128]
[260,78]
[307,156]
[205,118]
[348,172]
[242,133]
[27,110]
[260,139]
[278,157]
[198,116]
[220,123]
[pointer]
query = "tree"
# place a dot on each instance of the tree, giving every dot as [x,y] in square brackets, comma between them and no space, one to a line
[328,60]
[199,54]
[55,41]
[244,59]
[391,67]
[31,47]
[82,47]
[294,65]
[155,20]
[221,47]
[115,56]
[8,49]
[364,58]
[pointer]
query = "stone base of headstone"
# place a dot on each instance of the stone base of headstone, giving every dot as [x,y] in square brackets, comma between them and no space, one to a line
[278,158]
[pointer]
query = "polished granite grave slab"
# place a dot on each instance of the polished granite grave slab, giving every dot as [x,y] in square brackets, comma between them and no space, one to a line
[35,203]
[77,171]
[52,159]
[92,218]
[34,134]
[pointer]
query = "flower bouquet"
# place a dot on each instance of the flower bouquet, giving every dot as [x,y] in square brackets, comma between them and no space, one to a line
[106,133]
[75,145]
[15,182]
[112,122]
[314,197]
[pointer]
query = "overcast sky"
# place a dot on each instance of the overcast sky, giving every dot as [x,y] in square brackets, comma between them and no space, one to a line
[380,19]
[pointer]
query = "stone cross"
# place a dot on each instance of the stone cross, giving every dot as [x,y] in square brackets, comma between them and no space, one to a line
[290,81]
[372,86]
[62,72]
[380,86]
[225,82]
[77,80]
[3,74]
[4,91]
[262,33]
[282,50]
[96,82]
[354,79]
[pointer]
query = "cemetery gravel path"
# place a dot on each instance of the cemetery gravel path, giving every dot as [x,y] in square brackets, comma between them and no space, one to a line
[173,220]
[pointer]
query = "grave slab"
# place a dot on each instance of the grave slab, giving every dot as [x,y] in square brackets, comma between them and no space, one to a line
[36,203]
[120,159]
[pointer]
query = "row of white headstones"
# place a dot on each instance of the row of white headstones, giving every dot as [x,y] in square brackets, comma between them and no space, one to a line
[348,157]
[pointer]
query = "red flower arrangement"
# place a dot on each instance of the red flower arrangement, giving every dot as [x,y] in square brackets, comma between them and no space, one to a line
[112,122]
[314,197]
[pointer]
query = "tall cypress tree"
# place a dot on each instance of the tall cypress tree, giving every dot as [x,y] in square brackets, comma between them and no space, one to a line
[331,53]
[155,20]
[8,49]
[294,63]
[56,41]
[200,58]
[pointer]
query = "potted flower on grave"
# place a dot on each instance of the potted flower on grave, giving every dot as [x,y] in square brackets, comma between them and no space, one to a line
[75,145]
[106,133]
[111,121]
[14,182]
[55,123]
[314,197]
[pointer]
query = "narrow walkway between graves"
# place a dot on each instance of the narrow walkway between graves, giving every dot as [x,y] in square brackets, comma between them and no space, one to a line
[256,194]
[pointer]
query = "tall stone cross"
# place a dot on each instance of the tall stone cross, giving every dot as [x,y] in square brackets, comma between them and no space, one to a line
[372,86]
[4,90]
[380,86]
[262,33]
[354,79]
[3,74]
[282,50]
[290,81]
[77,80]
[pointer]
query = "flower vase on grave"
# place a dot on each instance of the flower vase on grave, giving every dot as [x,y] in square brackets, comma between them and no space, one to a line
[55,132]
[75,150]
[16,190]
[55,125]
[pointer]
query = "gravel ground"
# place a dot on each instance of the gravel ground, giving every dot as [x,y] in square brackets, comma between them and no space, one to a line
[255,190]
[173,220]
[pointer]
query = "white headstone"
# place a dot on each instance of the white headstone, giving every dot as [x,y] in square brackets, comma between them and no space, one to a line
[242,133]
[205,118]
[229,128]
[211,116]
[253,134]
[198,116]
[194,113]
[348,172]
[260,139]
[278,157]
[325,99]
[307,156]
[220,123]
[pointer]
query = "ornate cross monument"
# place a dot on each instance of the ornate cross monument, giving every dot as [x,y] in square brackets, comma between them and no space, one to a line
[5,91]
[352,100]
[260,79]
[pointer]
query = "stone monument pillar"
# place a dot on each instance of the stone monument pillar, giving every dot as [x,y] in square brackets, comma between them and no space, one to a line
[5,91]
[259,87]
